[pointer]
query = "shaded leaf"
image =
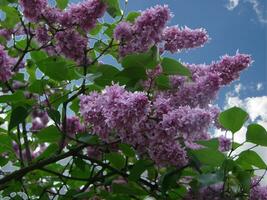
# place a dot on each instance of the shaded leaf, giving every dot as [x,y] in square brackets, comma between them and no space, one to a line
[233,119]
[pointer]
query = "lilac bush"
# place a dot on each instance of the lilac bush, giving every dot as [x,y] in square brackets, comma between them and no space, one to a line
[76,127]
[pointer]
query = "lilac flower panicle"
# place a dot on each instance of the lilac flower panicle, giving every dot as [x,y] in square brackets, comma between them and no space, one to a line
[177,39]
[230,67]
[52,14]
[40,119]
[84,14]
[123,31]
[32,9]
[6,64]
[71,44]
[6,33]
[145,32]
[42,35]
[186,120]
[74,125]
[168,153]
[257,192]
[91,107]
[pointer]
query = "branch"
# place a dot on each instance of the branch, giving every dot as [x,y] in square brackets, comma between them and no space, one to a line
[22,172]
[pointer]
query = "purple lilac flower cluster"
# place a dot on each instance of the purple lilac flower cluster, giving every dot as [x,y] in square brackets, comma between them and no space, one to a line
[144,33]
[127,115]
[84,14]
[257,191]
[74,50]
[40,120]
[206,81]
[73,126]
[177,39]
[156,126]
[62,26]
[150,29]
[6,64]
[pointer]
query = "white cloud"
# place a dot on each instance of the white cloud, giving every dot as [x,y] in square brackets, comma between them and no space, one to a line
[255,106]
[238,88]
[232,4]
[258,7]
[259,86]
[260,10]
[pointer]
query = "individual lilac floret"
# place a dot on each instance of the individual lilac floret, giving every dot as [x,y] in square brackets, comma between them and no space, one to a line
[145,32]
[84,14]
[224,143]
[177,39]
[73,126]
[230,67]
[71,44]
[6,64]
[32,9]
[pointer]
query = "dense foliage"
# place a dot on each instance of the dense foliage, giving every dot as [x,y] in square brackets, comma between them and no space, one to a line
[76,127]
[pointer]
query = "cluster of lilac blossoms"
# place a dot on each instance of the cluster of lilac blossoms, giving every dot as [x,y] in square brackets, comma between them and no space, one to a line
[150,29]
[165,126]
[6,64]
[58,30]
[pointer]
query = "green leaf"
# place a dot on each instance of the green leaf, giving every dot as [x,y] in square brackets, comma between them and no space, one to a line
[18,115]
[132,16]
[49,151]
[54,115]
[251,158]
[12,98]
[173,67]
[163,82]
[108,72]
[11,17]
[113,8]
[148,59]
[130,189]
[38,56]
[62,4]
[212,143]
[256,134]
[130,76]
[56,68]
[169,179]
[89,139]
[127,150]
[97,29]
[50,134]
[5,143]
[117,160]
[38,86]
[139,167]
[210,178]
[233,119]
[209,157]
[244,178]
